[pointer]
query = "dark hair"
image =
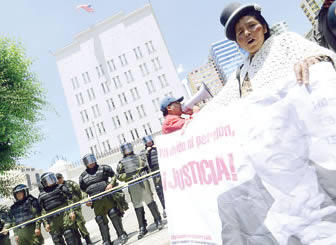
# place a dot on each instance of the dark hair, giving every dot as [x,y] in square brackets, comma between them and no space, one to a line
[165,112]
[262,21]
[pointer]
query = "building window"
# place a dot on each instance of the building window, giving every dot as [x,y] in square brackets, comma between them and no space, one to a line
[86,78]
[116,82]
[144,69]
[111,65]
[121,138]
[156,104]
[100,70]
[91,94]
[79,98]
[89,133]
[147,129]
[105,87]
[141,111]
[128,116]
[150,47]
[150,87]
[135,93]
[156,63]
[95,111]
[84,116]
[137,52]
[75,83]
[110,104]
[123,60]
[163,81]
[128,76]
[116,122]
[101,128]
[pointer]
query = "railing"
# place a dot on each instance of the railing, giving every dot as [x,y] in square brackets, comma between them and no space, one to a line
[113,151]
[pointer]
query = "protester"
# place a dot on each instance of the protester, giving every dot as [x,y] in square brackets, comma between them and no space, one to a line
[131,167]
[52,197]
[94,180]
[25,207]
[77,196]
[324,29]
[172,110]
[153,163]
[271,59]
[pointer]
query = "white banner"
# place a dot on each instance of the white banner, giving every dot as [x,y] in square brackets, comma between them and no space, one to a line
[260,171]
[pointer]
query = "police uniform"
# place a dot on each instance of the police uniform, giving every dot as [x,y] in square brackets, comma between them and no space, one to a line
[77,195]
[23,210]
[4,239]
[53,197]
[94,181]
[153,163]
[131,167]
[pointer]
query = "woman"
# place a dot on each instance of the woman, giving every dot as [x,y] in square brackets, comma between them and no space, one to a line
[272,58]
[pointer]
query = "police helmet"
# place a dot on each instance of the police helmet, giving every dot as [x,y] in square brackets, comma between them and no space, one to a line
[126,149]
[23,188]
[88,159]
[48,179]
[332,18]
[148,138]
[59,176]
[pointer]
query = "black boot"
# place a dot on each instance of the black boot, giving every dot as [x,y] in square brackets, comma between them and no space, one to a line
[70,237]
[115,217]
[88,240]
[156,214]
[78,237]
[140,213]
[159,192]
[104,230]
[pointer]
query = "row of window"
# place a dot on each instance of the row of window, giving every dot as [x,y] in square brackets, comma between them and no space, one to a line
[116,79]
[122,97]
[106,146]
[123,62]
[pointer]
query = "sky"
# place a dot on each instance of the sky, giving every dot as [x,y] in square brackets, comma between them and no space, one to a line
[188,27]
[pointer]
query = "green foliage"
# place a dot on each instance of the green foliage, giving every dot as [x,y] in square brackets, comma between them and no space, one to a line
[21,102]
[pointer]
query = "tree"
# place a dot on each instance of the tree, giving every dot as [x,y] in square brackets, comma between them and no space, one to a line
[21,102]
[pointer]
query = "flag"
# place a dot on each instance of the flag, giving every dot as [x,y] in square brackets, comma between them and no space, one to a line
[86,7]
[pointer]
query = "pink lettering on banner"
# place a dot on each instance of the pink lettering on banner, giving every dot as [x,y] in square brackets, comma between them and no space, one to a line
[203,172]
[196,141]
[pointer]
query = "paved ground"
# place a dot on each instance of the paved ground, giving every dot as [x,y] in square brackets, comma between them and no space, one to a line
[154,237]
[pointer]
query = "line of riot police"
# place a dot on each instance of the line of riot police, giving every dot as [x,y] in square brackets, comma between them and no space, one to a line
[69,226]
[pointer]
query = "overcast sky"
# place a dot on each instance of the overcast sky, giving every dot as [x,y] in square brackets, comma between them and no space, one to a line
[188,26]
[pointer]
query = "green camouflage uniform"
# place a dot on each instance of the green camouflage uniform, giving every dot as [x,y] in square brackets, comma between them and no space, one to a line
[26,233]
[77,195]
[117,199]
[59,222]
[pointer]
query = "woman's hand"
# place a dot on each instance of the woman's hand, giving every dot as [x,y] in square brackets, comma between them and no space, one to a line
[301,69]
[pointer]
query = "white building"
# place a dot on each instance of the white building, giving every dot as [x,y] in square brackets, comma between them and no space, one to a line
[278,28]
[114,75]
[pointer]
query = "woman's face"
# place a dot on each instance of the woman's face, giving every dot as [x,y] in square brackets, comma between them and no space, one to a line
[250,34]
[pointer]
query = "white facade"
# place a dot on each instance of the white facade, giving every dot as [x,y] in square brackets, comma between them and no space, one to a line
[114,76]
[278,28]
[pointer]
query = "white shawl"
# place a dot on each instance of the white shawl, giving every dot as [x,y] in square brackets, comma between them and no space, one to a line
[272,64]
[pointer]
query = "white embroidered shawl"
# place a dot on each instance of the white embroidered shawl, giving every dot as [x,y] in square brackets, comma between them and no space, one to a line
[270,65]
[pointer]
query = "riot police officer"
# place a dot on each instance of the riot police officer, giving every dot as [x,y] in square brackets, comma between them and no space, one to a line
[25,207]
[4,236]
[94,180]
[77,195]
[52,197]
[153,163]
[131,167]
